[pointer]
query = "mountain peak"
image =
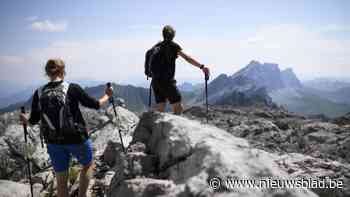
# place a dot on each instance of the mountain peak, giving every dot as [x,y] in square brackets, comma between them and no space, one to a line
[266,75]
[273,66]
[290,79]
[254,62]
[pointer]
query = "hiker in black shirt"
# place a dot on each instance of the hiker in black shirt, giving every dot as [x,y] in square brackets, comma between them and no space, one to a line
[162,70]
[56,105]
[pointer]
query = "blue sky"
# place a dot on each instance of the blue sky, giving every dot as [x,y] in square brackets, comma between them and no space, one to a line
[106,40]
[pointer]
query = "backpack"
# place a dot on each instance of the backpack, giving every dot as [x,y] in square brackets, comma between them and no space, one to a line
[57,122]
[152,60]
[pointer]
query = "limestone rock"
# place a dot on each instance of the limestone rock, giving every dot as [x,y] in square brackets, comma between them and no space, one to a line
[13,189]
[145,187]
[190,154]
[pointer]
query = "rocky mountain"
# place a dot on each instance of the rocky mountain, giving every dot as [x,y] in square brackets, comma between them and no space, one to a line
[251,85]
[177,156]
[253,76]
[266,75]
[290,80]
[250,97]
[136,98]
[281,87]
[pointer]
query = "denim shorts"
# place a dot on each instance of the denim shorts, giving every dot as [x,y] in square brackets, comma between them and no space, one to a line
[60,155]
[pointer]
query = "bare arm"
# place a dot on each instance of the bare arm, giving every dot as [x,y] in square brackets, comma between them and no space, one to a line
[194,62]
[189,59]
[104,99]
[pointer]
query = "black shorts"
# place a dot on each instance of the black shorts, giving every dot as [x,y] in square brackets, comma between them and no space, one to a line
[166,90]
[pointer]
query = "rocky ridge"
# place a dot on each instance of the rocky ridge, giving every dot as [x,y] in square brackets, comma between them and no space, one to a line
[176,156]
[304,147]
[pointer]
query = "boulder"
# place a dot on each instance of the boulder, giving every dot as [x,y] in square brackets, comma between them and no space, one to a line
[343,120]
[110,152]
[191,154]
[13,152]
[13,189]
[145,187]
[125,122]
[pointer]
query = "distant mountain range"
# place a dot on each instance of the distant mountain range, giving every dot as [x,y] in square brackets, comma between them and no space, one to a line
[327,84]
[189,87]
[255,84]
[136,98]
[281,87]
[10,92]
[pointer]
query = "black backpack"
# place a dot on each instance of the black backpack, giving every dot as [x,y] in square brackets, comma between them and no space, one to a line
[57,122]
[152,60]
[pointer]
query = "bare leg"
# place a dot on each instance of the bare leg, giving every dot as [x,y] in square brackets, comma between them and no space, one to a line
[177,108]
[62,188]
[85,176]
[161,107]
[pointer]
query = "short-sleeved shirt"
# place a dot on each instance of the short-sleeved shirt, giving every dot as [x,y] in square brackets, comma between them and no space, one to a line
[169,53]
[76,96]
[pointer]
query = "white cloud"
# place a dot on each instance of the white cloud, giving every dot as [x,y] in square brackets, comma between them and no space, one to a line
[49,26]
[11,60]
[310,54]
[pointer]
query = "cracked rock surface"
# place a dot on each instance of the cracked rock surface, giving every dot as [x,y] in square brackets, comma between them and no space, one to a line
[174,156]
[189,154]
[301,146]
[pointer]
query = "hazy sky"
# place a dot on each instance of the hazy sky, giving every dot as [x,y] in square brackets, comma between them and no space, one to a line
[106,40]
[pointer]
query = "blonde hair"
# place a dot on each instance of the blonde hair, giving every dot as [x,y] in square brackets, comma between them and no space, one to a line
[55,68]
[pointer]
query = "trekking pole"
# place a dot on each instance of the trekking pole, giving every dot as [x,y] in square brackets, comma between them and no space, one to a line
[23,110]
[41,140]
[206,94]
[111,100]
[150,96]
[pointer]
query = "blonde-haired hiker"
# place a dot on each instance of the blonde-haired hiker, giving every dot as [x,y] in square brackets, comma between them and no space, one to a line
[56,106]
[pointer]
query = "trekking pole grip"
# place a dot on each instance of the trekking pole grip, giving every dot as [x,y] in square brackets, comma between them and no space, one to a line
[109,85]
[23,110]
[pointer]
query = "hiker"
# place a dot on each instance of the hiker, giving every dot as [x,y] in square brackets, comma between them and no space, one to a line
[56,105]
[160,66]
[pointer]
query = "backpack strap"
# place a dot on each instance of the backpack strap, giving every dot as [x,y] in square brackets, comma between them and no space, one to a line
[65,91]
[47,119]
[40,91]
